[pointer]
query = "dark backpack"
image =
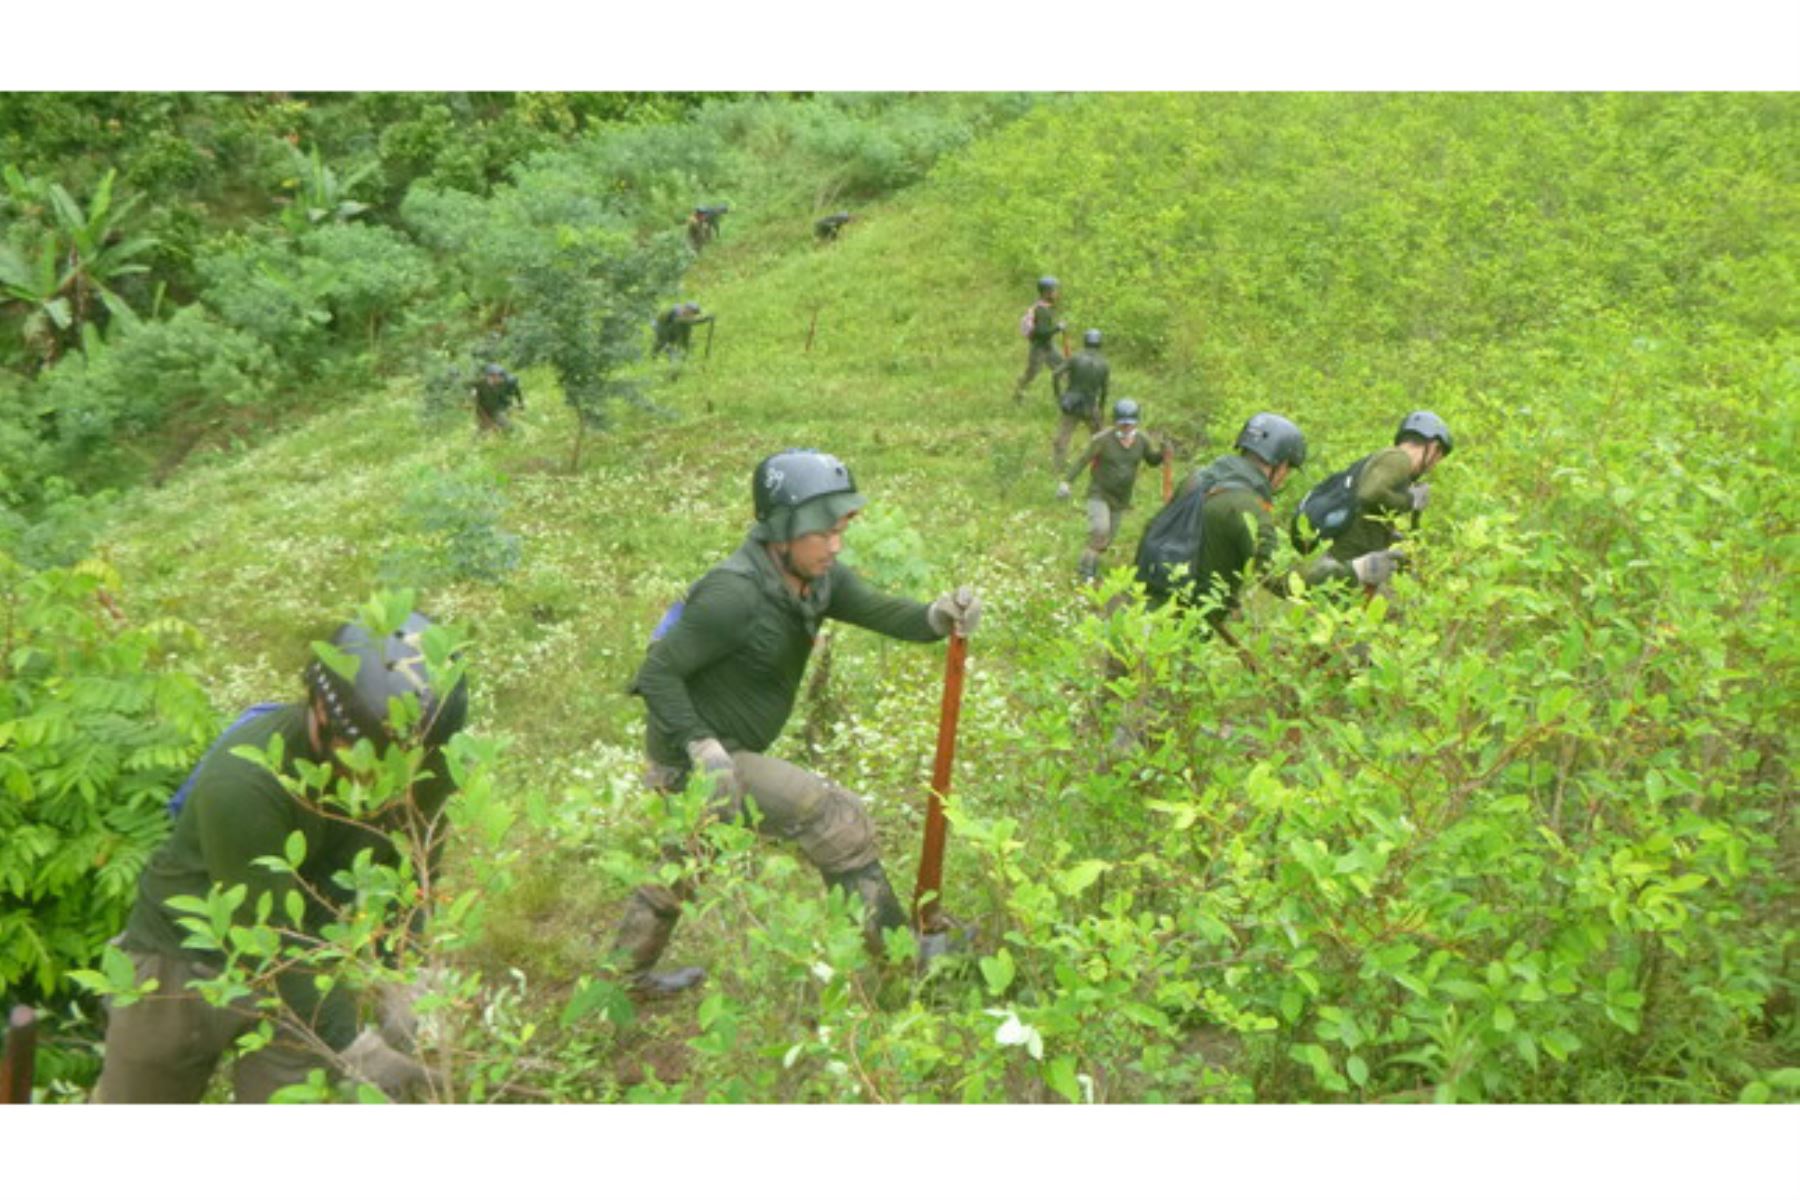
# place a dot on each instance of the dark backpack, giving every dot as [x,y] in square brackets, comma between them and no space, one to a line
[1327,510]
[1170,545]
[179,800]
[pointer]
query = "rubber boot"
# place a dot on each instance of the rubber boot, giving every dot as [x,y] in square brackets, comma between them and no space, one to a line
[644,933]
[881,908]
[951,937]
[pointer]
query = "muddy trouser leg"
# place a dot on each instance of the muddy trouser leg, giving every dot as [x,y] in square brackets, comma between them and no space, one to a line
[644,931]
[651,913]
[164,1048]
[829,824]
[832,828]
[1065,429]
[285,1060]
[1036,359]
[1103,527]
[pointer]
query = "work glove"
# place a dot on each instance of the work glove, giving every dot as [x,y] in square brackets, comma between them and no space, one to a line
[1377,567]
[1421,495]
[714,761]
[1062,490]
[372,1060]
[710,756]
[396,1018]
[960,610]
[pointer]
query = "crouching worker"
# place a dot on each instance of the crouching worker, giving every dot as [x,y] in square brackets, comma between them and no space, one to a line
[164,1048]
[1358,510]
[720,683]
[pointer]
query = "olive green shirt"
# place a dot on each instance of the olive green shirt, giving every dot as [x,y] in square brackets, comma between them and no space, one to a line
[1237,528]
[731,665]
[496,395]
[1383,495]
[239,812]
[1115,465]
[1087,375]
[1043,323]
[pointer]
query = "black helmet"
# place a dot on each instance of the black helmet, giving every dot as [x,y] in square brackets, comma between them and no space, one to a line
[1091,338]
[1126,411]
[1274,439]
[495,369]
[387,667]
[1426,427]
[785,483]
[1047,283]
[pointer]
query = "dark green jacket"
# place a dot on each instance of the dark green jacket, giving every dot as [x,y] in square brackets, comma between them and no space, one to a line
[237,813]
[732,664]
[674,327]
[1087,378]
[1237,527]
[1383,496]
[1043,324]
[496,395]
[1115,473]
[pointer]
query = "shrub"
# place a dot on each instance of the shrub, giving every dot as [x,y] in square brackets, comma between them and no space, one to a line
[96,729]
[258,286]
[362,274]
[189,368]
[453,532]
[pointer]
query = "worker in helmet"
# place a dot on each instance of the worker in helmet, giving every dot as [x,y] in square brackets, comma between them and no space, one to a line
[1360,523]
[164,1047]
[720,682]
[1083,397]
[495,390]
[1112,459]
[674,329]
[1040,327]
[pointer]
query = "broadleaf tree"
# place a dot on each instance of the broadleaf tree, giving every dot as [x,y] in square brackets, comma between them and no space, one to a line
[575,287]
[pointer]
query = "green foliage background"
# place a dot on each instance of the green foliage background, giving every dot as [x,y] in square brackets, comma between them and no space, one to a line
[1530,839]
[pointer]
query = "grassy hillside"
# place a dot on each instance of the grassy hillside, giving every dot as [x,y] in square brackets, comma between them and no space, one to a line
[1526,837]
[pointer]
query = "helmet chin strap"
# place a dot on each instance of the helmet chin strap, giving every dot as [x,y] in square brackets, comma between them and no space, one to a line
[787,566]
[337,718]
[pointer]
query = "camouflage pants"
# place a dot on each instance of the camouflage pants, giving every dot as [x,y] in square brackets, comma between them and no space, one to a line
[830,825]
[164,1048]
[1103,527]
[1036,359]
[492,418]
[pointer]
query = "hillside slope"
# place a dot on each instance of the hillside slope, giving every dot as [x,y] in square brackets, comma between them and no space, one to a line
[1545,818]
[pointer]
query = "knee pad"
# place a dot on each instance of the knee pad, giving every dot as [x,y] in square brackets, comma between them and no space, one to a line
[834,831]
